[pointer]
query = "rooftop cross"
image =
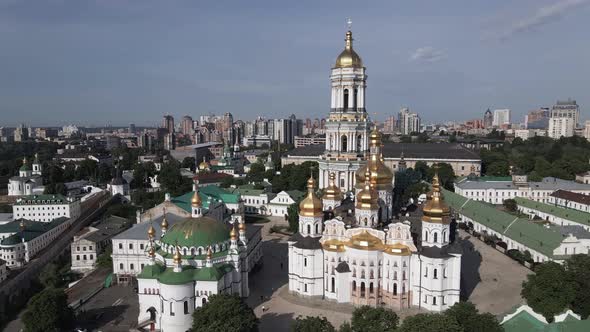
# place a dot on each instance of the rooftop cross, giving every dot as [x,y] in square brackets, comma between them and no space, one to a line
[349,24]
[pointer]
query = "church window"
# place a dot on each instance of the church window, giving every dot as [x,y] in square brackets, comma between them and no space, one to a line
[426,236]
[121,266]
[426,272]
[434,273]
[362,289]
[308,229]
[434,300]
[354,286]
[370,288]
[317,228]
[394,288]
[171,309]
[333,285]
[305,288]
[304,261]
[344,143]
[186,307]
[435,237]
[354,98]
[345,99]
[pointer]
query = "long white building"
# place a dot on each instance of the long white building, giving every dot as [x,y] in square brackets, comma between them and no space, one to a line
[46,208]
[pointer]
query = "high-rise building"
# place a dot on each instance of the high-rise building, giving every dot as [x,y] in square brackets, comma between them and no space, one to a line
[501,117]
[408,122]
[566,109]
[186,125]
[537,119]
[168,123]
[488,119]
[389,124]
[21,133]
[559,127]
[131,128]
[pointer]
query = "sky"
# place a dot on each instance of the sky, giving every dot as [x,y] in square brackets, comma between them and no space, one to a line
[115,62]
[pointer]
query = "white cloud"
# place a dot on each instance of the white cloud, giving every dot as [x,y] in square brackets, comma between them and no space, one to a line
[543,15]
[427,54]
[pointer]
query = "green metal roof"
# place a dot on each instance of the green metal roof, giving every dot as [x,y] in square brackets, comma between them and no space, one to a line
[523,321]
[248,190]
[166,275]
[524,231]
[197,232]
[206,193]
[44,199]
[564,213]
[32,230]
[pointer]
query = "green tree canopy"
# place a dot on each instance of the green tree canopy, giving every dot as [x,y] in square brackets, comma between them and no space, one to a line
[190,163]
[224,313]
[293,217]
[312,324]
[510,205]
[48,311]
[370,319]
[578,270]
[469,318]
[430,323]
[548,291]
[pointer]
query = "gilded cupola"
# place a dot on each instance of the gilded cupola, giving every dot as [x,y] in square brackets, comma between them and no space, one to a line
[204,165]
[381,174]
[164,223]
[436,210]
[332,192]
[311,206]
[177,259]
[367,198]
[233,235]
[151,232]
[348,58]
[196,200]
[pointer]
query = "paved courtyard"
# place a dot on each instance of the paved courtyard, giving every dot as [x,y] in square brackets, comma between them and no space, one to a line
[492,280]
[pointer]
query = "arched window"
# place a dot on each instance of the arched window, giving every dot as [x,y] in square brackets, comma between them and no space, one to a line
[345,99]
[426,236]
[204,301]
[305,262]
[308,229]
[186,307]
[317,228]
[354,286]
[344,143]
[359,143]
[362,289]
[394,288]
[354,98]
[371,288]
[333,285]
[435,236]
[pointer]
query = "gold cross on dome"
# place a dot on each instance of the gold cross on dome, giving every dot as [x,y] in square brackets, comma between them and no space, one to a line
[349,23]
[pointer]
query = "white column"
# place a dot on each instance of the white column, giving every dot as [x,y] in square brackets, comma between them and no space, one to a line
[361,103]
[333,97]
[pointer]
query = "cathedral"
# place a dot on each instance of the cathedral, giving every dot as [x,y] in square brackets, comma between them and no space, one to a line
[348,249]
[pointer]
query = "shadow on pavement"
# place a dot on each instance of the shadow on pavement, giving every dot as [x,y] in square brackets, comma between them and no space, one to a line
[100,317]
[275,322]
[271,276]
[470,263]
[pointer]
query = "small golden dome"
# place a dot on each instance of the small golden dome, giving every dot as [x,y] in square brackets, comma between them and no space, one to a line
[177,259]
[152,252]
[164,223]
[348,58]
[204,165]
[196,200]
[209,253]
[375,137]
[151,231]
[332,192]
[233,234]
[242,226]
[368,198]
[382,176]
[436,210]
[365,241]
[311,206]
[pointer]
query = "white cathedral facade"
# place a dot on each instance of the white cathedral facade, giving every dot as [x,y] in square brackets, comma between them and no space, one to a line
[343,252]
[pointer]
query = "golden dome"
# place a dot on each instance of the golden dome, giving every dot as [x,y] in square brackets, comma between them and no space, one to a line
[311,205]
[436,210]
[397,249]
[332,192]
[233,234]
[151,231]
[242,226]
[177,259]
[333,245]
[348,58]
[209,253]
[381,175]
[204,165]
[365,241]
[164,223]
[152,252]
[368,198]
[196,200]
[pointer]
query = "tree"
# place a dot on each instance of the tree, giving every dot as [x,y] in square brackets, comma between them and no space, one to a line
[293,217]
[256,173]
[50,276]
[498,168]
[371,319]
[48,311]
[578,270]
[170,177]
[446,175]
[190,163]
[105,259]
[469,318]
[510,205]
[224,313]
[312,324]
[430,323]
[345,327]
[548,291]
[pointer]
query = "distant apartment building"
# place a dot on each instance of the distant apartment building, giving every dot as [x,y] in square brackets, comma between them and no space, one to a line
[525,134]
[408,122]
[168,123]
[501,117]
[45,133]
[566,109]
[304,141]
[488,119]
[537,119]
[21,133]
[561,127]
[186,125]
[389,124]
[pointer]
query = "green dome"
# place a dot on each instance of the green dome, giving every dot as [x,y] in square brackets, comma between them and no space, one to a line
[197,232]
[24,167]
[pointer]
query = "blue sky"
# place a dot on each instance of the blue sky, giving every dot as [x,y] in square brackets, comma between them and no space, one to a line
[117,61]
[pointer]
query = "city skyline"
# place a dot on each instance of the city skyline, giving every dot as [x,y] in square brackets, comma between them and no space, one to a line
[119,63]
